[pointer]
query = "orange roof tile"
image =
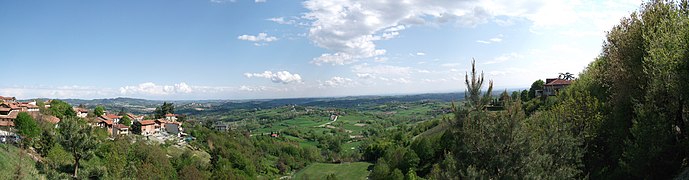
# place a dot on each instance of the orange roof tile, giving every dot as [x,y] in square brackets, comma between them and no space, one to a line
[147,122]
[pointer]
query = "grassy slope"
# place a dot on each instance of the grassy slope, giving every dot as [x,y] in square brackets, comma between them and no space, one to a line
[9,158]
[356,170]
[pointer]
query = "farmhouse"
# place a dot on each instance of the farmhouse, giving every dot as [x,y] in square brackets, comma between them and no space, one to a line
[554,85]
[149,127]
[81,112]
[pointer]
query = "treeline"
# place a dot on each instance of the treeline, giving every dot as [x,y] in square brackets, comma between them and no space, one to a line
[625,117]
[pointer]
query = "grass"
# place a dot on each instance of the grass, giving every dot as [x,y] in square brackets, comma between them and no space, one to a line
[9,159]
[356,170]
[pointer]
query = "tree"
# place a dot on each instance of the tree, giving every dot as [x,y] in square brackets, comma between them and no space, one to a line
[504,97]
[524,95]
[381,170]
[76,137]
[99,111]
[474,95]
[126,121]
[61,109]
[166,108]
[537,85]
[136,127]
[566,76]
[515,95]
[27,126]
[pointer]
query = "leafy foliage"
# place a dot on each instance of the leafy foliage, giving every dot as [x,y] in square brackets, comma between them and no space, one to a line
[75,137]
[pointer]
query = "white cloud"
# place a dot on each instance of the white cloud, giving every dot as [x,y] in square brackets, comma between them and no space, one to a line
[381,70]
[336,82]
[349,28]
[259,40]
[450,64]
[420,54]
[495,39]
[283,77]
[505,57]
[365,75]
[222,1]
[482,41]
[281,20]
[260,1]
[150,88]
[252,88]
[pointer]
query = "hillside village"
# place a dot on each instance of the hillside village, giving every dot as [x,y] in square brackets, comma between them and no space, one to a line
[162,128]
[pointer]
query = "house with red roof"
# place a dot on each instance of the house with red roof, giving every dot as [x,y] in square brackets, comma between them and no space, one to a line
[135,117]
[7,115]
[81,112]
[171,117]
[149,127]
[553,86]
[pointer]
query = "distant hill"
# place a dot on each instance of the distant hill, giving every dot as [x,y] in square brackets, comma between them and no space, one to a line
[191,106]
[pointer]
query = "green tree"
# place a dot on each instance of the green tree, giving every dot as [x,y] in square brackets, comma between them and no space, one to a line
[524,95]
[659,138]
[136,127]
[477,99]
[536,85]
[76,137]
[166,108]
[381,170]
[126,121]
[26,126]
[515,95]
[99,111]
[61,109]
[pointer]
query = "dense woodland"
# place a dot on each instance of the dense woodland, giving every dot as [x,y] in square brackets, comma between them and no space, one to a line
[624,117]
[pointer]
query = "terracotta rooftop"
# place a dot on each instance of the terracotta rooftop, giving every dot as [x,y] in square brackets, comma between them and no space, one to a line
[111,116]
[52,119]
[559,82]
[11,115]
[121,126]
[108,122]
[171,115]
[147,122]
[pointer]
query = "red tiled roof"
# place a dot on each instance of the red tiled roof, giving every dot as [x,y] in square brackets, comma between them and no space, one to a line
[121,126]
[147,122]
[52,119]
[11,115]
[559,82]
[112,116]
[82,110]
[108,122]
[5,109]
[134,116]
[170,115]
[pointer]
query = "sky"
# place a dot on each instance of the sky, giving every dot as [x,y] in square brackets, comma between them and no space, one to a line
[258,49]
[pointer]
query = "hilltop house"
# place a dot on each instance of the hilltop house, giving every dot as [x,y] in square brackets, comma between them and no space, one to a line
[7,115]
[10,108]
[221,126]
[135,118]
[553,86]
[8,99]
[121,129]
[171,117]
[81,112]
[149,127]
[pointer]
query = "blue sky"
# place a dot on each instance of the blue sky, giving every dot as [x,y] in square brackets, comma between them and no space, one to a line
[246,49]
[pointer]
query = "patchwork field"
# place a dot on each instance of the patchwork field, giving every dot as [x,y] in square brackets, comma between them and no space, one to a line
[356,170]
